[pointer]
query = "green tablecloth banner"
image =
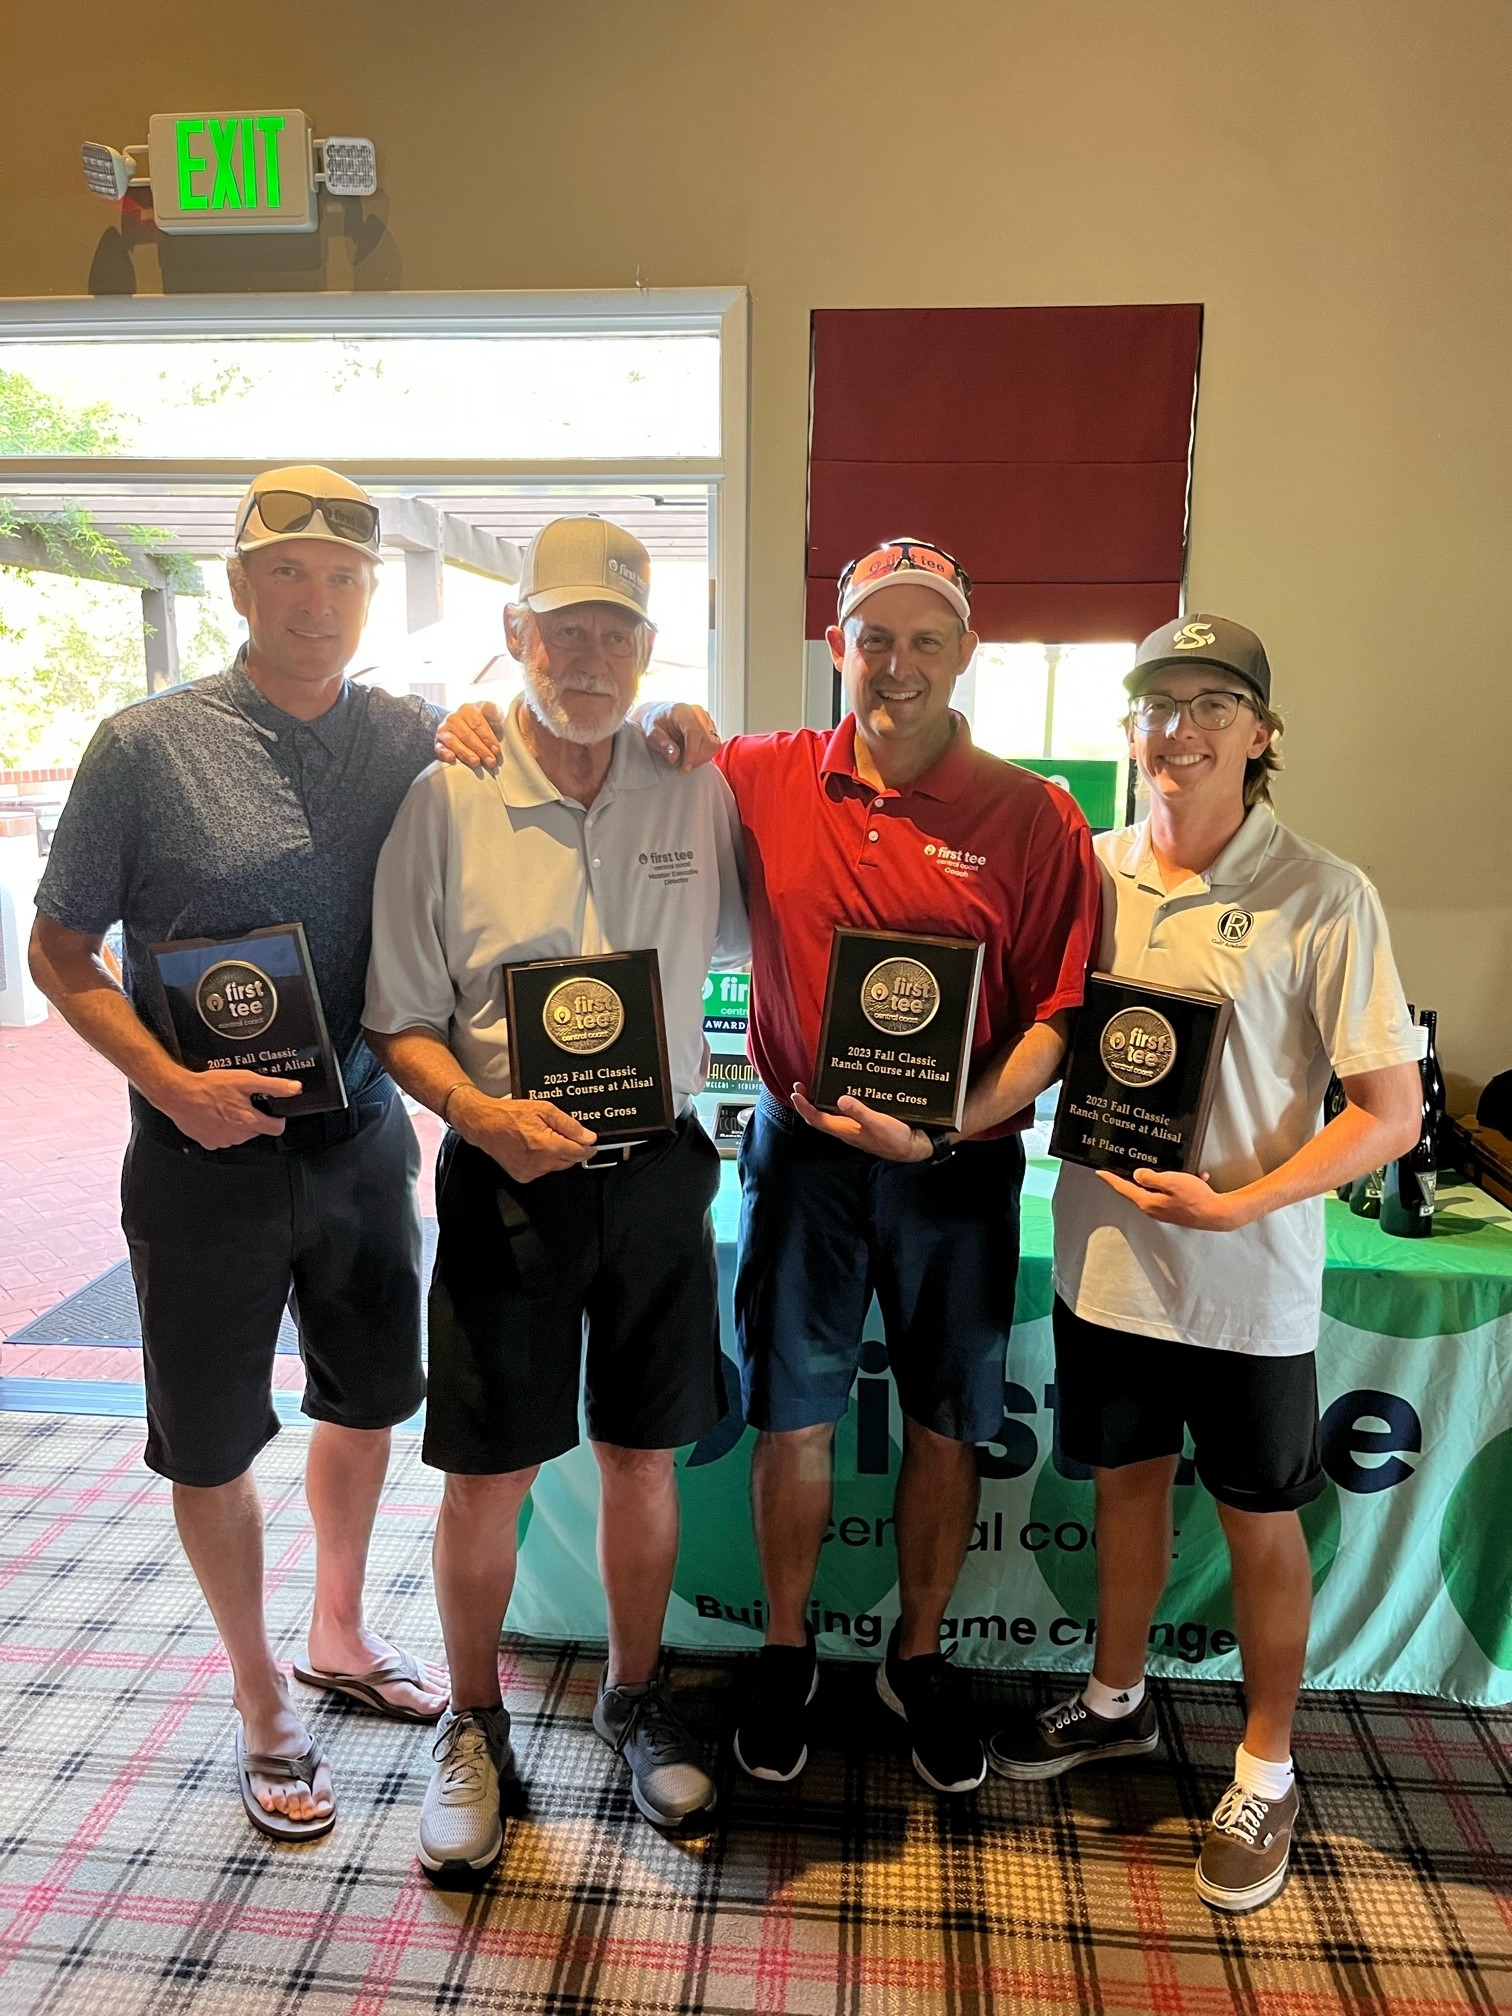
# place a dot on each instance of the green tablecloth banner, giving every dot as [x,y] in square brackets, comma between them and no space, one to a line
[1411,1543]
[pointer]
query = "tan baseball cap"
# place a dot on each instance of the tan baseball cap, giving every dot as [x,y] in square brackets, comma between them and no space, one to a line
[586,560]
[306,501]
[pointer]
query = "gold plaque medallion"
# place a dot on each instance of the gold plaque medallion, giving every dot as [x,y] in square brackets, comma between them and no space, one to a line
[900,997]
[582,1016]
[1138,1046]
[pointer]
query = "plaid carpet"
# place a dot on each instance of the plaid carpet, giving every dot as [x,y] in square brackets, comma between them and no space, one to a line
[131,1885]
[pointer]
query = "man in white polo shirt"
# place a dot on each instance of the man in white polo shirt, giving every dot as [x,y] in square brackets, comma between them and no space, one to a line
[557,853]
[1193,1301]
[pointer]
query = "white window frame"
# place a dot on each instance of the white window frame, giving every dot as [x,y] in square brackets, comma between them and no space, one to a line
[720,311]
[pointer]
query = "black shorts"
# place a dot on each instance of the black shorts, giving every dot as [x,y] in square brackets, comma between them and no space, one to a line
[221,1242]
[823,1226]
[523,1269]
[1254,1421]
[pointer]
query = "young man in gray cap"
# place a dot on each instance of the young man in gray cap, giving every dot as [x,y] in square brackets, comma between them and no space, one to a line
[258,796]
[1193,1301]
[580,842]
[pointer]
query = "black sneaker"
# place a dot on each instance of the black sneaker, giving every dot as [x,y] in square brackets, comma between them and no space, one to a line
[931,1697]
[772,1738]
[1060,1738]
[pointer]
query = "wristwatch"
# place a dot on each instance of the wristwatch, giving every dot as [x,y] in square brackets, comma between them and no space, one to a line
[941,1146]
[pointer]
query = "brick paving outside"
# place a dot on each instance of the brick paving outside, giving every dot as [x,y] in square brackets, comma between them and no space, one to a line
[63,1125]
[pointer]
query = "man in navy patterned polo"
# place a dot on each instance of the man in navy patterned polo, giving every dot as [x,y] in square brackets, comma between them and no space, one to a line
[261,795]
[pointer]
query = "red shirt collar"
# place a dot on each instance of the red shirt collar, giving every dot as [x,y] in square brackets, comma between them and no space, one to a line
[944,780]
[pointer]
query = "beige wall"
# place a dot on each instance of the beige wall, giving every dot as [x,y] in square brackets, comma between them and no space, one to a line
[1331,179]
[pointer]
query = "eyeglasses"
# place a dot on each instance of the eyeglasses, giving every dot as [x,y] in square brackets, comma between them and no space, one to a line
[570,636]
[899,554]
[287,511]
[1160,713]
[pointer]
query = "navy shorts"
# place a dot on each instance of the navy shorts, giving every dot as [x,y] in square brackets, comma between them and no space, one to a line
[220,1242]
[824,1226]
[1128,1399]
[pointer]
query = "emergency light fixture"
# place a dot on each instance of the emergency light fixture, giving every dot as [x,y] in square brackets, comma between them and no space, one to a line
[107,173]
[234,171]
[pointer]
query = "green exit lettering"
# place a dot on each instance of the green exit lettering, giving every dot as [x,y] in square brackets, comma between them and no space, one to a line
[231,164]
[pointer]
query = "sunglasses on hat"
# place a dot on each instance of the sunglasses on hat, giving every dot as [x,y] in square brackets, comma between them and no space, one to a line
[285,511]
[900,554]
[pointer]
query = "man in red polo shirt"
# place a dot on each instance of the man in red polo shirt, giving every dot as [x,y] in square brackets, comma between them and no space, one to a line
[894,821]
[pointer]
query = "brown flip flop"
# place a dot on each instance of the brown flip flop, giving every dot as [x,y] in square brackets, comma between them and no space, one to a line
[367,1688]
[288,1771]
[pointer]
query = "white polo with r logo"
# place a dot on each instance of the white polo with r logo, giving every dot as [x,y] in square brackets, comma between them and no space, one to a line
[1297,939]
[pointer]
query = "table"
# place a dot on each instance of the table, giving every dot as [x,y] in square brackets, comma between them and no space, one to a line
[1411,1544]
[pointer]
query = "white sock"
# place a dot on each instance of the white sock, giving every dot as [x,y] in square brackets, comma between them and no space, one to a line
[1112,1703]
[1260,1776]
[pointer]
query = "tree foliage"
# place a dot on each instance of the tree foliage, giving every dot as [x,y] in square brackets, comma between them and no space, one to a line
[33,422]
[71,650]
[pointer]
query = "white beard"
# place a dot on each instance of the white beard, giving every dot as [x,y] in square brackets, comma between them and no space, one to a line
[544,699]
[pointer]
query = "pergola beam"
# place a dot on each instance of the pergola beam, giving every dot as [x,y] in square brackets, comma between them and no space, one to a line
[141,569]
[160,638]
[429,539]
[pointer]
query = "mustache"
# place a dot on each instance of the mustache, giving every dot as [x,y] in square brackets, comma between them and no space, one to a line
[584,682]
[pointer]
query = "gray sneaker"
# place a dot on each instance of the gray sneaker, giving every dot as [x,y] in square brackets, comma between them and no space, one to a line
[1247,1852]
[461,1832]
[667,1775]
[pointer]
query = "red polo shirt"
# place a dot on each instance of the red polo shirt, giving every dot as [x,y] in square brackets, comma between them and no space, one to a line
[975,848]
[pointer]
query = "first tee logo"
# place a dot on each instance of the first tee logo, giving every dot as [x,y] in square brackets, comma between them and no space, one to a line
[1137,1046]
[237,1000]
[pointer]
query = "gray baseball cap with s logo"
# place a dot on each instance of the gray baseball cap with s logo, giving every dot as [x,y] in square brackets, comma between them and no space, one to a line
[1204,640]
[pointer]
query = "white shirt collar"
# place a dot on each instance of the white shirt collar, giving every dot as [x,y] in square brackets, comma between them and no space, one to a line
[1237,865]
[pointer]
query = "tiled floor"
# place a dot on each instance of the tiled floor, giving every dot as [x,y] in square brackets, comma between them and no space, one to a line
[63,1125]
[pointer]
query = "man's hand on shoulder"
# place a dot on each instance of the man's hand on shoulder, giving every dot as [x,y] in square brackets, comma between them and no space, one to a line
[472,734]
[526,1137]
[683,735]
[215,1108]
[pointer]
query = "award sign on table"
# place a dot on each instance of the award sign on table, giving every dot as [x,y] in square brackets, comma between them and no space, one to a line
[588,1035]
[1140,1076]
[899,1013]
[250,1003]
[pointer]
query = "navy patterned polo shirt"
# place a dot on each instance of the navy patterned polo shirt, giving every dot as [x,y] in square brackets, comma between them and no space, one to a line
[206,811]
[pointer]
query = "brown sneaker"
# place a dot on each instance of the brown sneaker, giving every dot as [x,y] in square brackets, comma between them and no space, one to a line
[1247,1852]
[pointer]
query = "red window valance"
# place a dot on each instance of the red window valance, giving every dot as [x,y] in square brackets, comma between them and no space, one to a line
[1047,448]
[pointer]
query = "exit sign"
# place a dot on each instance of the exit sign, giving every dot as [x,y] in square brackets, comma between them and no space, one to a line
[232,171]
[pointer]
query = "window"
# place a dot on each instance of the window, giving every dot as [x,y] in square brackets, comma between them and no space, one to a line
[1060,703]
[127,435]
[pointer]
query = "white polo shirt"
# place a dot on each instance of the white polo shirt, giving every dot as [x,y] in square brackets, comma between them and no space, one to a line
[482,871]
[1297,940]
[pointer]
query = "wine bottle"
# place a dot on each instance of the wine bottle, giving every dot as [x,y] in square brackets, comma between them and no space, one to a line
[1365,1193]
[1433,1077]
[1409,1192]
[1410,1189]
[1334,1103]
